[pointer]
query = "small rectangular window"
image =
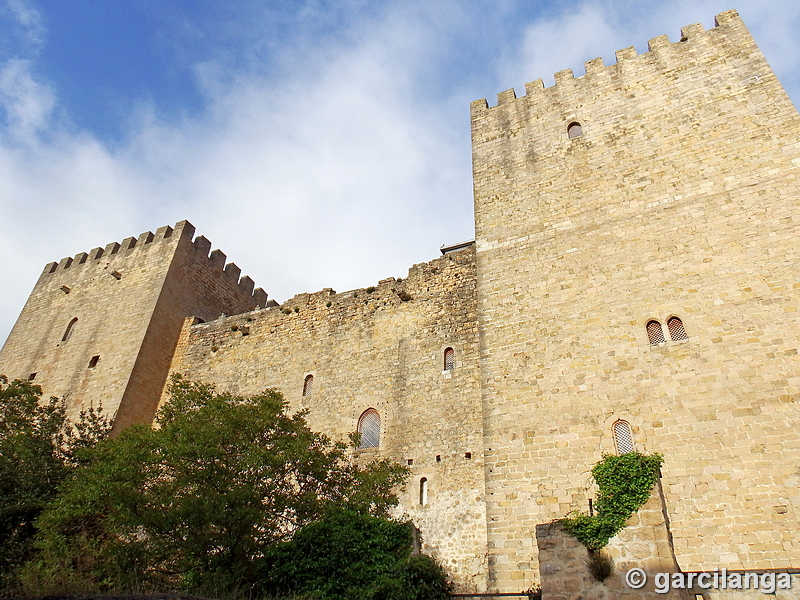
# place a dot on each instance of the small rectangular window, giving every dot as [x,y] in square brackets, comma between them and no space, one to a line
[93,362]
[32,376]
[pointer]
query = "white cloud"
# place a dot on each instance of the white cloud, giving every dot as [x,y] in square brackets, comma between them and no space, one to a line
[561,42]
[27,104]
[344,171]
[30,20]
[335,176]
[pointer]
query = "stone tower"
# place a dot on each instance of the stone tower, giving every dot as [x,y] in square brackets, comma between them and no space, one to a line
[101,327]
[657,195]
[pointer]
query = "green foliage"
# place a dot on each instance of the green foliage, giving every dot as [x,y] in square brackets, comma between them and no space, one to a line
[354,556]
[39,448]
[194,503]
[624,484]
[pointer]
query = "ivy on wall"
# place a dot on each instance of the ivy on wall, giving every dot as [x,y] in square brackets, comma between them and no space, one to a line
[624,483]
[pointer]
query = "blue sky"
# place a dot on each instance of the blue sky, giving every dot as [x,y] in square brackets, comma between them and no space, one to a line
[318,144]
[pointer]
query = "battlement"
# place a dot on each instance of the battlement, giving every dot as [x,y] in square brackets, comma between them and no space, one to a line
[729,30]
[163,235]
[129,244]
[228,270]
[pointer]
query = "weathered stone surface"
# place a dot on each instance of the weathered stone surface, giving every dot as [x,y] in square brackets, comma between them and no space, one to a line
[678,199]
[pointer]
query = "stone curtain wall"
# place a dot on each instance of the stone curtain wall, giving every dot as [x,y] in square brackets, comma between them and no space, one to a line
[380,348]
[679,199]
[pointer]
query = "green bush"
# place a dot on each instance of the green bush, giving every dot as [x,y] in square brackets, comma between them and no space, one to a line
[353,556]
[625,483]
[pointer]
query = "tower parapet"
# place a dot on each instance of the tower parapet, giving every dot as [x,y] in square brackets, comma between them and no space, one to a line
[130,245]
[729,32]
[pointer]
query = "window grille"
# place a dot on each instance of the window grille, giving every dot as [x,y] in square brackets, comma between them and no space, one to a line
[676,330]
[423,491]
[574,130]
[369,426]
[623,437]
[655,333]
[449,359]
[308,385]
[69,329]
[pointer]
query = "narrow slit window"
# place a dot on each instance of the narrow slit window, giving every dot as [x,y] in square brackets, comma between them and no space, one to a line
[308,384]
[369,426]
[69,329]
[574,130]
[623,437]
[655,333]
[676,331]
[93,361]
[32,376]
[423,491]
[449,359]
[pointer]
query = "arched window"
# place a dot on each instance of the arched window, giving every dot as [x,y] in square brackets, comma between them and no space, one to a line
[307,385]
[369,426]
[676,330]
[449,359]
[574,130]
[655,333]
[623,437]
[423,491]
[70,327]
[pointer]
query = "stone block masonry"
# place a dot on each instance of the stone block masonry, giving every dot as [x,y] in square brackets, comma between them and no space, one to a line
[379,348]
[125,304]
[679,199]
[633,275]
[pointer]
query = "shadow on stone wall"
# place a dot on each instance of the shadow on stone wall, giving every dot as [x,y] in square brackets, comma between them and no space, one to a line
[645,543]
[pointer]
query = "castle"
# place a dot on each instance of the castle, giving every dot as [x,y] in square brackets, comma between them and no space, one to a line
[632,286]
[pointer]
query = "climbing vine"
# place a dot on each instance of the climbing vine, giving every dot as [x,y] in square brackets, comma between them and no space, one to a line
[624,483]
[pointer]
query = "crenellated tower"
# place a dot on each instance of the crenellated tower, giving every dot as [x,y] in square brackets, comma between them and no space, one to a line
[657,194]
[102,327]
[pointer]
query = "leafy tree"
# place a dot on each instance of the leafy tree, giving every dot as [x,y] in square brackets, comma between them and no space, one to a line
[353,556]
[39,448]
[196,501]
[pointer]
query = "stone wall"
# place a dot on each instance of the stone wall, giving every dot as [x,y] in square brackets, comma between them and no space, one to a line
[679,199]
[380,348]
[645,543]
